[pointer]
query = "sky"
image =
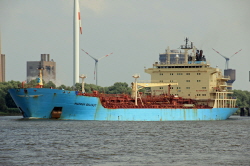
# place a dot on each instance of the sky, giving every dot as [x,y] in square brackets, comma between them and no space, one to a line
[136,31]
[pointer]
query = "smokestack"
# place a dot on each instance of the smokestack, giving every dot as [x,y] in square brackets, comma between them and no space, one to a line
[43,57]
[201,52]
[48,57]
[3,66]
[1,75]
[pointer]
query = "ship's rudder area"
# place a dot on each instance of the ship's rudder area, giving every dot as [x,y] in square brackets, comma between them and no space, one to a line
[56,113]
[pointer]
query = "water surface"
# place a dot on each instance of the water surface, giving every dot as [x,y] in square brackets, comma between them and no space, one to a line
[63,142]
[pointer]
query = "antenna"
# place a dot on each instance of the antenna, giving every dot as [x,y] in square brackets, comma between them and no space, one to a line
[227,59]
[186,40]
[96,63]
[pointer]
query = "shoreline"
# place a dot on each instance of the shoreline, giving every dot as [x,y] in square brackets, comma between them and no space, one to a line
[10,114]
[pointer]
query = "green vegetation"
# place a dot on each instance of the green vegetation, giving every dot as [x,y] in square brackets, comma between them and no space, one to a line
[8,107]
[243,99]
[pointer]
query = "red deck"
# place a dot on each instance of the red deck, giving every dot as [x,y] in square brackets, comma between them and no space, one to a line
[113,101]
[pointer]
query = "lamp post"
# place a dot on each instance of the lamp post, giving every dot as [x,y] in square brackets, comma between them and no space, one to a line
[136,76]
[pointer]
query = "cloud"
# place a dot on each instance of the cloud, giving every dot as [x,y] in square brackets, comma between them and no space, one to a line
[97,6]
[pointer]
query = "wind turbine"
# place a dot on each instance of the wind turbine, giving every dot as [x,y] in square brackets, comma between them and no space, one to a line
[96,63]
[77,30]
[227,59]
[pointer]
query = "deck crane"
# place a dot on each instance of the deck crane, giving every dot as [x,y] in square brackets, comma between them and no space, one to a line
[137,86]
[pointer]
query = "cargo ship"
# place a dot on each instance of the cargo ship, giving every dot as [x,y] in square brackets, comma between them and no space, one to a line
[183,86]
[192,90]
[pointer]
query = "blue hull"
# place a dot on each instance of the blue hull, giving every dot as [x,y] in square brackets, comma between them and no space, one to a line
[39,103]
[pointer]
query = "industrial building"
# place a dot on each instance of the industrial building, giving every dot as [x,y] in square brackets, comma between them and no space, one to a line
[48,65]
[231,73]
[2,63]
[2,68]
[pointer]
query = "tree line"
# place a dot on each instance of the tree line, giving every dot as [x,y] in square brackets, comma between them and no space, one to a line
[8,107]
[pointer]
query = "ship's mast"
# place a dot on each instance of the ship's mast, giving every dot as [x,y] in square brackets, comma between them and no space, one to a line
[186,47]
[40,78]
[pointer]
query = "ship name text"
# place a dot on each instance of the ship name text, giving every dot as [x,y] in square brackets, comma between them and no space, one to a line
[86,104]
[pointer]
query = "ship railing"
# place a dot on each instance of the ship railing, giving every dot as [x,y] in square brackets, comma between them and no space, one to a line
[157,81]
[223,100]
[197,62]
[221,89]
[25,85]
[225,77]
[225,103]
[186,46]
[181,63]
[113,95]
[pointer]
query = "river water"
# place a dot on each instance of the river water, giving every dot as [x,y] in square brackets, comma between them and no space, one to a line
[106,143]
